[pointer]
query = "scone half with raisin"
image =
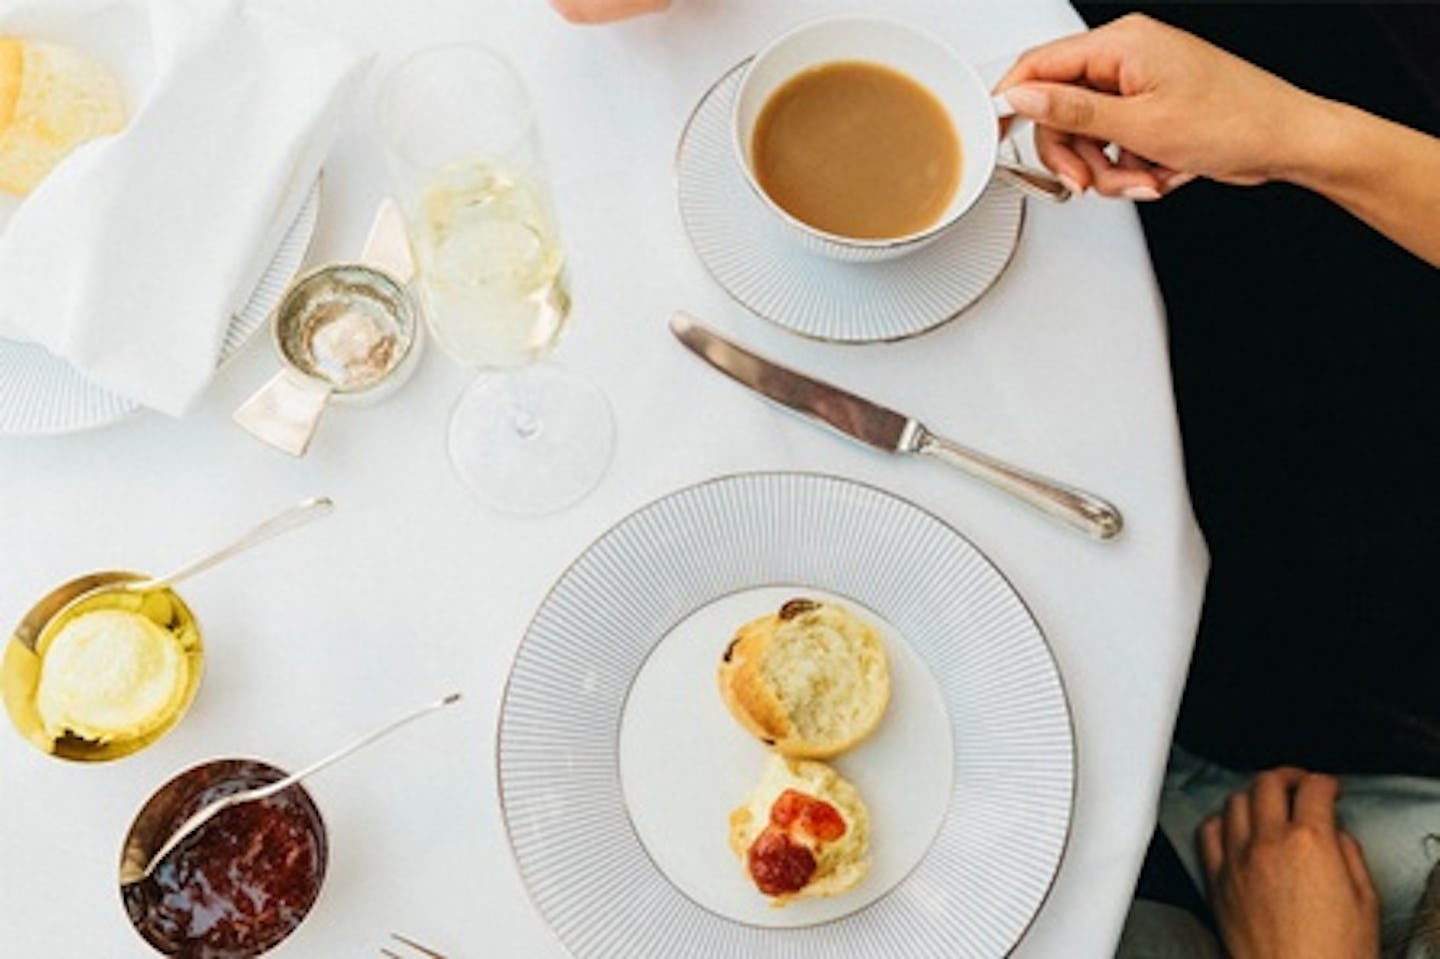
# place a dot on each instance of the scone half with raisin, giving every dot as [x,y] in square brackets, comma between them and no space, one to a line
[802,833]
[810,680]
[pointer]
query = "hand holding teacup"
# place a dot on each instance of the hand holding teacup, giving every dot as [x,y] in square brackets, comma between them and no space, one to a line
[1176,106]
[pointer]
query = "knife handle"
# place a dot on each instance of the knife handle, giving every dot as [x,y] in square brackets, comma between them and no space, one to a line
[1084,511]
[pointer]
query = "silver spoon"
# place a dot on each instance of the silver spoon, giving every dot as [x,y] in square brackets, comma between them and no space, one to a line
[1033,182]
[129,875]
[292,518]
[68,595]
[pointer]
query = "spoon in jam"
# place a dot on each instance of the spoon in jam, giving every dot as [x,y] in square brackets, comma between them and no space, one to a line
[129,875]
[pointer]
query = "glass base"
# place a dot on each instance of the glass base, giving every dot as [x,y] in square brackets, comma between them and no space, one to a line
[531,441]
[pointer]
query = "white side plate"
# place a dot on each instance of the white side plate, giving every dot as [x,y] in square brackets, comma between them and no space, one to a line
[42,395]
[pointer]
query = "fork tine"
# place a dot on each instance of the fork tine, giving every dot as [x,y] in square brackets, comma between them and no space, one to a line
[390,955]
[423,950]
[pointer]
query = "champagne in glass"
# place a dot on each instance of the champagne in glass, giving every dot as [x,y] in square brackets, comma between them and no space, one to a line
[526,437]
[494,270]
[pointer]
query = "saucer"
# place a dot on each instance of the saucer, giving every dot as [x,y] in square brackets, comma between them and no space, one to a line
[745,250]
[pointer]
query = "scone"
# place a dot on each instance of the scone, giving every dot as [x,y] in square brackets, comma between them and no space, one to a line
[810,681]
[803,832]
[52,99]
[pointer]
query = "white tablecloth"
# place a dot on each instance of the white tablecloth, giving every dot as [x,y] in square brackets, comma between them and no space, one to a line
[412,589]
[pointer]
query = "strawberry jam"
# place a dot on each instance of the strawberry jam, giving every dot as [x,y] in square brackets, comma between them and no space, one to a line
[782,859]
[242,883]
[779,864]
[813,817]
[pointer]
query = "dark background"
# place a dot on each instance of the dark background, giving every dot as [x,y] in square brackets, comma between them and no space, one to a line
[1306,356]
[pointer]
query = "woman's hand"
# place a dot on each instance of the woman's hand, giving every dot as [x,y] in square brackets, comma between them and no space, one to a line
[1285,881]
[604,11]
[1174,105]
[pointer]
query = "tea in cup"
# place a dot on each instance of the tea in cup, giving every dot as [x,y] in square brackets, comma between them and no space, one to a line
[866,138]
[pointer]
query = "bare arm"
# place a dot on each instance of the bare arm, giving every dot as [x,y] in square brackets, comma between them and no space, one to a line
[1384,173]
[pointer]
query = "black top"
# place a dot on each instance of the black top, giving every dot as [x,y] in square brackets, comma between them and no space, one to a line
[1305,349]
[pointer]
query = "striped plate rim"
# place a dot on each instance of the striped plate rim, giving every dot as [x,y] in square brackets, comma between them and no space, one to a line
[994,860]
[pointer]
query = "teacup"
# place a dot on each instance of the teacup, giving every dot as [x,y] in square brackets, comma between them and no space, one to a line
[949,77]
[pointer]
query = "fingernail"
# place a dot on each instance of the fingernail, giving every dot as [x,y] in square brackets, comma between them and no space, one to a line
[1028,100]
[1177,180]
[1141,193]
[1075,188]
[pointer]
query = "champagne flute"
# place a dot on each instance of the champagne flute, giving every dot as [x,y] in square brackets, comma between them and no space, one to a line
[526,437]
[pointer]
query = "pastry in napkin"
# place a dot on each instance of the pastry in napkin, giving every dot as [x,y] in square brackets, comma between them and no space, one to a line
[130,257]
[52,99]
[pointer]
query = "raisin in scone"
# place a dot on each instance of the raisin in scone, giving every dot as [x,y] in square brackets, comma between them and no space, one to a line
[802,833]
[810,681]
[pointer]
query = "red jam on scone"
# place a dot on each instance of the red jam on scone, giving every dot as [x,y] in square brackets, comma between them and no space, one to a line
[782,859]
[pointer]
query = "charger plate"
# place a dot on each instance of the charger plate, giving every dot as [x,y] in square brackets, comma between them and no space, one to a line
[618,763]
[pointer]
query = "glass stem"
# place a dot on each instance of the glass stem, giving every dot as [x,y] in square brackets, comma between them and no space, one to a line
[524,417]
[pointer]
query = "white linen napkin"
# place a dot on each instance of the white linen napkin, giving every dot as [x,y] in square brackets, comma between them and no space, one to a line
[130,258]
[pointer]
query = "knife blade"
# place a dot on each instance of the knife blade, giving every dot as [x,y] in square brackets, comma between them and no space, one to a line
[855,416]
[893,432]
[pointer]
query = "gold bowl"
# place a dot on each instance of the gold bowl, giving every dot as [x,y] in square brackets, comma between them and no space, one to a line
[24,657]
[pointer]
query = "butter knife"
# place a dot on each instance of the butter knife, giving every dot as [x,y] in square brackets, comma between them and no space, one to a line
[893,432]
